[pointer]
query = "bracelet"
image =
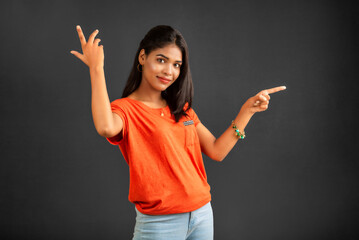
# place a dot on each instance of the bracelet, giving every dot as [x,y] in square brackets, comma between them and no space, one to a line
[237,132]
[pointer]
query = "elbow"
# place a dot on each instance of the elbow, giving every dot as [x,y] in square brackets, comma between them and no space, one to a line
[104,132]
[216,155]
[218,158]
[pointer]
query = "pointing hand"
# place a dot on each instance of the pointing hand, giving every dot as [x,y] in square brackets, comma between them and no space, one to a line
[260,101]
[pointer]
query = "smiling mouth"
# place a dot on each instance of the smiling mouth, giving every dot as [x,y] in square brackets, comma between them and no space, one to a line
[164,80]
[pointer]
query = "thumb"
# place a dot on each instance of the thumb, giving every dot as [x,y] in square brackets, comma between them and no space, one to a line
[255,100]
[78,55]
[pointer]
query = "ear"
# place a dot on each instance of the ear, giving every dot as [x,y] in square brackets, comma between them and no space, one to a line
[142,57]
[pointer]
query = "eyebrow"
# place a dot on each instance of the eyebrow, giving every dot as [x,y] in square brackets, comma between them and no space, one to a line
[161,55]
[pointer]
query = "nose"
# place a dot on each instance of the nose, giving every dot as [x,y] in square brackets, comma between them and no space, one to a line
[167,70]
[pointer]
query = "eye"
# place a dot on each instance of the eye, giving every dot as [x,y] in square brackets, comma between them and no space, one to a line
[177,65]
[160,59]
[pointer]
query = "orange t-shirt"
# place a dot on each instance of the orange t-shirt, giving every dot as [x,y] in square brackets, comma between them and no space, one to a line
[167,173]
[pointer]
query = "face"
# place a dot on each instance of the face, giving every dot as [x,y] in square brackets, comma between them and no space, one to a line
[161,67]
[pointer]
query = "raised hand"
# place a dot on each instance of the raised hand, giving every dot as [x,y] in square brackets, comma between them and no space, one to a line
[92,53]
[260,101]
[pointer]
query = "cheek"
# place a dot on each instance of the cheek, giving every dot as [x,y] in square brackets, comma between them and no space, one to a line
[152,67]
[178,73]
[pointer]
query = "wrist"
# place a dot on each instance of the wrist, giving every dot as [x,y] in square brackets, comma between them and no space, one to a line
[242,119]
[239,133]
[246,112]
[96,69]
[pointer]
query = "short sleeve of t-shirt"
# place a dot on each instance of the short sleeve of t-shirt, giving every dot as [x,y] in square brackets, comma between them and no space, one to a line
[194,117]
[120,109]
[192,114]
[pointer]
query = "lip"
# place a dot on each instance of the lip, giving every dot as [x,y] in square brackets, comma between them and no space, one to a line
[164,80]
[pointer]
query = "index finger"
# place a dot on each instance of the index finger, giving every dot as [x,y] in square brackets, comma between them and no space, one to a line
[276,89]
[81,35]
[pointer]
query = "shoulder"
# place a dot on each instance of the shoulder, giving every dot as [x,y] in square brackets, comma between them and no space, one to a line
[120,100]
[121,104]
[191,113]
[187,110]
[186,106]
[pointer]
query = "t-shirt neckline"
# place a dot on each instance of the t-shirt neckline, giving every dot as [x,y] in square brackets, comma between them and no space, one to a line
[143,104]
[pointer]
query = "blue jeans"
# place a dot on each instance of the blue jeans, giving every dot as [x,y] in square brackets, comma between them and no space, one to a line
[195,225]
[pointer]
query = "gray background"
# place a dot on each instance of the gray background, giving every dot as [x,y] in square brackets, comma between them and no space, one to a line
[295,176]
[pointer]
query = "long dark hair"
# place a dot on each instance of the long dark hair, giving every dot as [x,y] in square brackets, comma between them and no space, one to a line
[181,91]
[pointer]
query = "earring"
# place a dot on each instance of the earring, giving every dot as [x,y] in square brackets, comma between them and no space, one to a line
[138,68]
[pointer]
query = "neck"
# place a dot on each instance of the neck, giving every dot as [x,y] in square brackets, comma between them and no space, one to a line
[146,93]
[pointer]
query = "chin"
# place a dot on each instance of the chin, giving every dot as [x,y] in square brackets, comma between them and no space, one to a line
[162,87]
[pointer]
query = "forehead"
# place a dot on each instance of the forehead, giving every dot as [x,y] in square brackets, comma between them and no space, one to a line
[171,51]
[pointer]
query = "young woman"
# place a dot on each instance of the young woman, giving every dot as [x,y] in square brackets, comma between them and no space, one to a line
[160,135]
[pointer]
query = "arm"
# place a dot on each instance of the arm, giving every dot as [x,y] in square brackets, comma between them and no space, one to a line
[218,149]
[104,119]
[106,123]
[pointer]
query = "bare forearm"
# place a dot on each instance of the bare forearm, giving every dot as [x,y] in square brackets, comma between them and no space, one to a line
[100,103]
[225,143]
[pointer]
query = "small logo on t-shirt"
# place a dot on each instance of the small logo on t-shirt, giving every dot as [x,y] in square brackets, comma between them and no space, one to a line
[188,122]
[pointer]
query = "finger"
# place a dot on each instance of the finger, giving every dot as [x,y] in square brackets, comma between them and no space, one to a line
[259,108]
[78,55]
[92,36]
[264,106]
[263,98]
[81,35]
[260,103]
[97,40]
[266,97]
[265,94]
[264,103]
[276,89]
